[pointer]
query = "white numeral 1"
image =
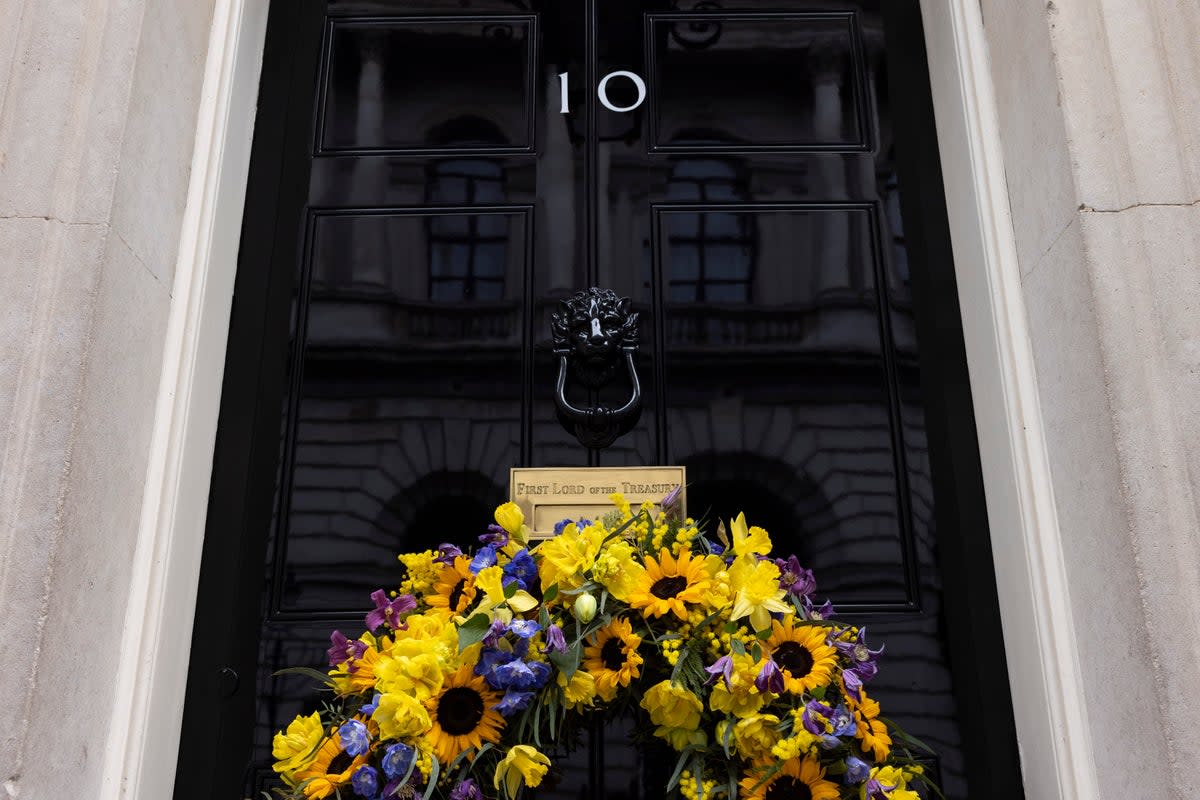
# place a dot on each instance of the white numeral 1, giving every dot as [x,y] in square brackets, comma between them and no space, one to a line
[602,91]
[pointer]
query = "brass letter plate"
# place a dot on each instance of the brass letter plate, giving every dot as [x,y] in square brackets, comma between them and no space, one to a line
[547,495]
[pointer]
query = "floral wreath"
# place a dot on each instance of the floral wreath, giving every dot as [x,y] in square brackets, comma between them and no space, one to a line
[482,662]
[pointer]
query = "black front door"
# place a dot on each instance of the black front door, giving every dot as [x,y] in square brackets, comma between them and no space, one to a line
[429,177]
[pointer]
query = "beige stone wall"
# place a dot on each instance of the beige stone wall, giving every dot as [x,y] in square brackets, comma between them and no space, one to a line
[1100,116]
[98,104]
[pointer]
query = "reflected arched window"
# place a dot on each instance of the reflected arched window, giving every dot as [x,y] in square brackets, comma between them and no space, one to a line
[712,252]
[468,253]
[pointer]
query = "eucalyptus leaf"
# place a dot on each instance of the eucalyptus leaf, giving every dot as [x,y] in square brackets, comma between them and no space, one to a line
[473,630]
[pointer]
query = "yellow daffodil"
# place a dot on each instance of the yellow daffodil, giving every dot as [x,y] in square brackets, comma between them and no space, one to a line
[617,569]
[510,517]
[491,581]
[896,777]
[757,591]
[749,541]
[739,696]
[755,735]
[578,692]
[672,706]
[419,675]
[523,764]
[400,716]
[681,738]
[566,558]
[296,749]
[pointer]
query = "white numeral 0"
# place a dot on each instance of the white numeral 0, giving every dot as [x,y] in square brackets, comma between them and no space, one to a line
[602,91]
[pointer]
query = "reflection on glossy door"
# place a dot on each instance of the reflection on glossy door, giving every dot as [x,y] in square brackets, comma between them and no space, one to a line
[750,207]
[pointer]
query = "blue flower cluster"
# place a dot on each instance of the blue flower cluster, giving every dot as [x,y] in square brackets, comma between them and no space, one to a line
[503,664]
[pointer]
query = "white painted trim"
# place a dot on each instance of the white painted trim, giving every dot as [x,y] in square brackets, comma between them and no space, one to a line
[1042,657]
[1039,635]
[143,740]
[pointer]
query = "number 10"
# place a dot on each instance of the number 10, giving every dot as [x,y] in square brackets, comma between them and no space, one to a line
[602,91]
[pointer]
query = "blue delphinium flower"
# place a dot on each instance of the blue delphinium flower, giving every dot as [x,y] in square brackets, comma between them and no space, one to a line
[354,738]
[525,628]
[397,759]
[857,770]
[513,701]
[522,569]
[486,557]
[369,708]
[365,782]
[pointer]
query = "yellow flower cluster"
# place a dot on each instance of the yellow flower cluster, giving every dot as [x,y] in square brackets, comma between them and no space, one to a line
[481,658]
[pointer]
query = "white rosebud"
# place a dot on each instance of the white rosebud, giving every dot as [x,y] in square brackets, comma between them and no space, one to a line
[584,608]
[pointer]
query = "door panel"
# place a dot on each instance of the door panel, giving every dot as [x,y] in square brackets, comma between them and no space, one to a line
[421,204]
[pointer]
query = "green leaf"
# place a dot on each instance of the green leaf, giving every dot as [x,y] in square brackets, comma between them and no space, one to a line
[679,765]
[567,662]
[756,652]
[510,589]
[550,593]
[433,777]
[819,692]
[737,647]
[307,672]
[473,630]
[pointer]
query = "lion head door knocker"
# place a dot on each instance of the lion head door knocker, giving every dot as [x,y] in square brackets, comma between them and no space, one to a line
[595,333]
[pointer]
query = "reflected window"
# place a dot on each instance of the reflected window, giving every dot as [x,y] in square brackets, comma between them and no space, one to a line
[468,254]
[712,253]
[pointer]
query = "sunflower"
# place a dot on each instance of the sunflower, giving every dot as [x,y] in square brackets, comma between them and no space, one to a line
[802,655]
[329,771]
[454,590]
[462,715]
[799,779]
[872,732]
[669,583]
[612,658]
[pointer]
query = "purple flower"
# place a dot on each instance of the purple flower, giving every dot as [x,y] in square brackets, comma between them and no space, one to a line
[770,678]
[369,708]
[715,547]
[447,553]
[824,612]
[525,628]
[365,782]
[555,641]
[388,613]
[670,504]
[722,666]
[874,790]
[513,701]
[397,759]
[815,715]
[795,579]
[495,536]
[354,738]
[853,684]
[486,557]
[495,631]
[857,770]
[862,657]
[343,649]
[467,790]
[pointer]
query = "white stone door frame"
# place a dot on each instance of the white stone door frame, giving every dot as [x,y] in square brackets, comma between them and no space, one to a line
[1040,642]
